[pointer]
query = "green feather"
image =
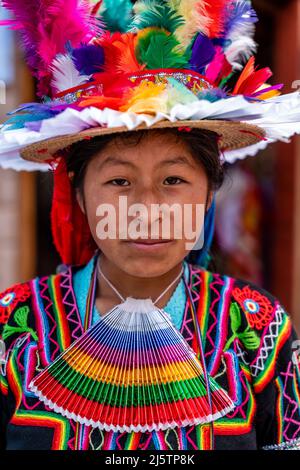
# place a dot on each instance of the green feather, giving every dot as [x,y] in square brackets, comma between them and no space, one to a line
[116,15]
[158,49]
[158,14]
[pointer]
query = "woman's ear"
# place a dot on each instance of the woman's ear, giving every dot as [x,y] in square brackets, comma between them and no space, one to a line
[79,199]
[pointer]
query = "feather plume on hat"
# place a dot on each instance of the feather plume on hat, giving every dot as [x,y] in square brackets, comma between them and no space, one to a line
[108,66]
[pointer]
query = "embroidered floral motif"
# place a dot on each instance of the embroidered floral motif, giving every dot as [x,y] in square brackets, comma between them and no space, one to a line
[257,307]
[247,337]
[10,298]
[21,319]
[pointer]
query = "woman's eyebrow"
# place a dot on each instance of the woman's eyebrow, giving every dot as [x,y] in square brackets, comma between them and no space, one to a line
[111,161]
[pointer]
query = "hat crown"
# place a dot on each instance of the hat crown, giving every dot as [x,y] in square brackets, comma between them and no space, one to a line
[81,46]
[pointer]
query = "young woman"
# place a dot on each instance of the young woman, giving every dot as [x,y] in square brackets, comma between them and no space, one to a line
[135,344]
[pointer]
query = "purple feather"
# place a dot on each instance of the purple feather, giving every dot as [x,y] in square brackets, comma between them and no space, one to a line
[88,59]
[34,126]
[35,108]
[238,13]
[268,89]
[203,52]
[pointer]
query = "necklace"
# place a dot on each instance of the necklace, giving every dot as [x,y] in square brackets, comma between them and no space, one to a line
[136,301]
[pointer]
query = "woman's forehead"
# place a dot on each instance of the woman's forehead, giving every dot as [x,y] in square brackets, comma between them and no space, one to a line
[162,147]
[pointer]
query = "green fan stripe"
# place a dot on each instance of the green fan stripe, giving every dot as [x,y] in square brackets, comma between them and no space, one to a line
[119,395]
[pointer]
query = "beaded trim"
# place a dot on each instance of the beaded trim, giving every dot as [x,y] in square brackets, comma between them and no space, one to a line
[291,445]
[192,81]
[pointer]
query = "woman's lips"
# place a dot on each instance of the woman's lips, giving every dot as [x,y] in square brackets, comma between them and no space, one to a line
[150,245]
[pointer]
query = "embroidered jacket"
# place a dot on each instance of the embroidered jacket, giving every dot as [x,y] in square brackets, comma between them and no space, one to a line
[248,342]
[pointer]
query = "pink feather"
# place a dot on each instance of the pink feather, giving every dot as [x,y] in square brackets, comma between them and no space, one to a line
[219,67]
[46,26]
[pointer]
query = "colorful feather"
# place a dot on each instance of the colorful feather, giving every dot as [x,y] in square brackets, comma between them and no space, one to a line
[203,52]
[148,98]
[218,68]
[116,87]
[46,26]
[194,14]
[252,82]
[178,94]
[116,15]
[120,52]
[215,10]
[213,95]
[266,91]
[158,14]
[160,50]
[239,14]
[239,31]
[102,102]
[19,121]
[65,74]
[88,59]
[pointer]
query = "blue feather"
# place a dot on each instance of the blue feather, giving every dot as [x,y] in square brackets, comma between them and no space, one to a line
[31,108]
[239,13]
[116,15]
[19,122]
[213,95]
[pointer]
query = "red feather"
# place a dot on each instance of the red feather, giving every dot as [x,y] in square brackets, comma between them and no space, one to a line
[251,79]
[216,12]
[119,52]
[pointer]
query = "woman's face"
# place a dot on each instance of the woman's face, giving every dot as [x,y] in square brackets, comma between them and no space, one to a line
[158,170]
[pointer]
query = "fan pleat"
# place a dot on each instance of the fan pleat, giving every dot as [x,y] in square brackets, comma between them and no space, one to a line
[131,371]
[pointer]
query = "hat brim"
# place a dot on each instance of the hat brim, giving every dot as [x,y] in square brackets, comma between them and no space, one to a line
[233,135]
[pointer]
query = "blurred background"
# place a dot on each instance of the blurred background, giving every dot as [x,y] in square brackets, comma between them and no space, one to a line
[258,212]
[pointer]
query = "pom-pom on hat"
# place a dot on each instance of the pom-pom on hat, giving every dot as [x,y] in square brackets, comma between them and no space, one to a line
[109,66]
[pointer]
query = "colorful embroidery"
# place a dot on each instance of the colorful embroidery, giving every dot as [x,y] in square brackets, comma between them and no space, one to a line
[21,319]
[257,307]
[10,298]
[237,356]
[275,335]
[247,337]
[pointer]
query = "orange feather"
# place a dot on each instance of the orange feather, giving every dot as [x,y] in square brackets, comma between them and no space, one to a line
[119,51]
[247,71]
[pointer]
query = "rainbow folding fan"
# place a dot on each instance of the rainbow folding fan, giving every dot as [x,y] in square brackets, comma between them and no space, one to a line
[131,371]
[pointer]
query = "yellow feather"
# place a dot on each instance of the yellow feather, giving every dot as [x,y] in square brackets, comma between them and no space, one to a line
[194,13]
[268,94]
[147,98]
[143,32]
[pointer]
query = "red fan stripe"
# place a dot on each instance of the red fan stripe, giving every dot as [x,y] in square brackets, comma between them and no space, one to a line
[199,407]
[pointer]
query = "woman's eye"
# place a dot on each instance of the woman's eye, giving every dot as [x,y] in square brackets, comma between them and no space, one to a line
[119,182]
[171,179]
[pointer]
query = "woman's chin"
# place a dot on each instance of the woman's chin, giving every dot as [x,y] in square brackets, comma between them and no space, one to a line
[146,261]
